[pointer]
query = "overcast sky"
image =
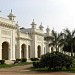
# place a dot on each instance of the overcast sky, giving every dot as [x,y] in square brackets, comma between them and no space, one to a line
[57,14]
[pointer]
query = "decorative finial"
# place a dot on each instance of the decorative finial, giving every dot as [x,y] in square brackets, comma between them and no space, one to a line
[41,23]
[41,27]
[48,30]
[11,10]
[33,20]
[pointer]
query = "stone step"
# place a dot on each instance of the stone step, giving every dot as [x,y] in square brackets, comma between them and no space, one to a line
[9,62]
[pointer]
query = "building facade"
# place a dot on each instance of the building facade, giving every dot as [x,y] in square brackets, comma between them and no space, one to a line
[17,42]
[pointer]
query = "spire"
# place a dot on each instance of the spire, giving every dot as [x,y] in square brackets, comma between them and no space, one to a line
[41,27]
[33,20]
[48,30]
[33,24]
[11,16]
[11,10]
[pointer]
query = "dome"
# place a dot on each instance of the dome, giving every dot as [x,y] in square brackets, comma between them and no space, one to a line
[33,23]
[48,30]
[11,14]
[41,27]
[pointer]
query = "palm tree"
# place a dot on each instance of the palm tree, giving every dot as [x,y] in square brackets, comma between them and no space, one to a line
[69,38]
[56,40]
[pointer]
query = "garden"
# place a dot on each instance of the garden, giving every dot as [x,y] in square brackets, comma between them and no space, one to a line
[56,60]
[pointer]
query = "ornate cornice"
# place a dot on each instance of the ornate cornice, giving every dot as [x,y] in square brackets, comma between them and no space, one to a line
[8,25]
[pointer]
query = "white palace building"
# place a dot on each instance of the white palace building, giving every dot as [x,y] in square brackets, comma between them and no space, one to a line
[16,42]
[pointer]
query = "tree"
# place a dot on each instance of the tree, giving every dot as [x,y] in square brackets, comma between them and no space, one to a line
[56,40]
[69,38]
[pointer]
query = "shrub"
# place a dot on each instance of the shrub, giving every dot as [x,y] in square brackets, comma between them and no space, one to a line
[34,59]
[23,60]
[56,60]
[68,62]
[2,61]
[38,64]
[18,59]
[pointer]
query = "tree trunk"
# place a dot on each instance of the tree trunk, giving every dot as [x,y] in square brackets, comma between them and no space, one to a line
[71,50]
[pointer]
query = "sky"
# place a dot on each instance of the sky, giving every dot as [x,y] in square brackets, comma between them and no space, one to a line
[55,14]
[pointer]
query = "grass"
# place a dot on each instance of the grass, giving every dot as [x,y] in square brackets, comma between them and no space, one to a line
[12,65]
[72,70]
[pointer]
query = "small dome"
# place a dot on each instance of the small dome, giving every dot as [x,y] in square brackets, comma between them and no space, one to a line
[47,29]
[41,27]
[33,23]
[11,14]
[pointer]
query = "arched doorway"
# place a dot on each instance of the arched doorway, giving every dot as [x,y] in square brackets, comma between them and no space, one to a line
[39,51]
[23,51]
[28,51]
[5,48]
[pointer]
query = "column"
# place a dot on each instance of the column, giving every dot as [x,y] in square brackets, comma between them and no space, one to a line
[1,52]
[27,52]
[9,53]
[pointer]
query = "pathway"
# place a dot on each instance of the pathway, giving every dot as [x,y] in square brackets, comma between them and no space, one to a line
[22,70]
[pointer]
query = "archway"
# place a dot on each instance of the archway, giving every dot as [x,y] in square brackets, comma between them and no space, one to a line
[39,51]
[5,48]
[23,51]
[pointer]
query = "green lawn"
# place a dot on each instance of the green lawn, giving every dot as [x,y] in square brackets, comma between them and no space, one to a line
[12,65]
[47,70]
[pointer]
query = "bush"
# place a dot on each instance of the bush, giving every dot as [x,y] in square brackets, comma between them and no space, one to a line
[68,62]
[23,60]
[56,60]
[18,59]
[38,64]
[2,61]
[34,59]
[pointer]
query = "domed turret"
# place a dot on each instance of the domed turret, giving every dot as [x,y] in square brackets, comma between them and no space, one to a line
[48,30]
[33,24]
[41,27]
[11,16]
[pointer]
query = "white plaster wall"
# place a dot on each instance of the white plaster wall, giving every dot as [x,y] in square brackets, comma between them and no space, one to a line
[8,35]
